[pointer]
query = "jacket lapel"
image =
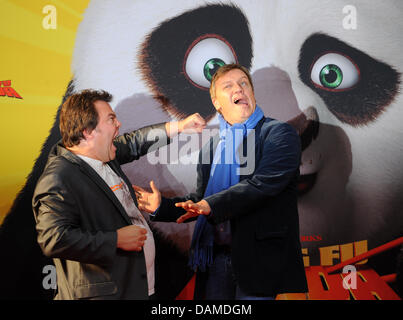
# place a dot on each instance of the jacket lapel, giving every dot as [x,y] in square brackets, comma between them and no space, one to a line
[86,169]
[91,173]
[207,158]
[257,148]
[118,170]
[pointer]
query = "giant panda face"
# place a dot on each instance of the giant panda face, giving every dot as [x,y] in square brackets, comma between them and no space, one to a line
[349,81]
[340,88]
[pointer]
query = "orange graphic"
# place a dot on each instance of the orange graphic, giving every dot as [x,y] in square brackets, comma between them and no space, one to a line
[7,90]
[325,284]
[117,187]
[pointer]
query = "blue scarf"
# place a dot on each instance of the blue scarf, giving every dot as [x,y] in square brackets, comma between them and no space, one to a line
[224,173]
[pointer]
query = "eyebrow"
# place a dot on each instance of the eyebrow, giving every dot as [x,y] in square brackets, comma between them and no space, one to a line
[111,115]
[229,81]
[226,82]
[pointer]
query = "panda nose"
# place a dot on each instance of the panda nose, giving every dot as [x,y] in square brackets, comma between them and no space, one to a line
[307,126]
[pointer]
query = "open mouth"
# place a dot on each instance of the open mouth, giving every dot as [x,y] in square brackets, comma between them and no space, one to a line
[306,183]
[240,101]
[307,126]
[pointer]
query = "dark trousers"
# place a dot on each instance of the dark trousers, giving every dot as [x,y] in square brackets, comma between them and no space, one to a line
[221,283]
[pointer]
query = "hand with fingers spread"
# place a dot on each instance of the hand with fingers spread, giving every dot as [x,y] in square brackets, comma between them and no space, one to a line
[148,201]
[131,238]
[193,209]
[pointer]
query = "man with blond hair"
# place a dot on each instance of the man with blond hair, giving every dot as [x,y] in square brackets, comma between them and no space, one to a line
[246,241]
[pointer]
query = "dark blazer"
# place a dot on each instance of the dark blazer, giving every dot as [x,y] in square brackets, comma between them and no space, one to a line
[77,216]
[262,209]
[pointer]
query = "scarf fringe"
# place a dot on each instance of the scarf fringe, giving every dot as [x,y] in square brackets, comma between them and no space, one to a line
[201,258]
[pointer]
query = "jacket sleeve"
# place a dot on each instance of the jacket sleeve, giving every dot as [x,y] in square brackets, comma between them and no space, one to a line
[278,165]
[58,226]
[131,146]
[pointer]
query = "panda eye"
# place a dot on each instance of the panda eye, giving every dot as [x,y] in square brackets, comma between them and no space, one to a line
[355,87]
[204,57]
[334,72]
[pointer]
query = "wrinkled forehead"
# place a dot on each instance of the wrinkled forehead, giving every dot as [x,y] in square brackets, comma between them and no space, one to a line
[230,76]
[103,109]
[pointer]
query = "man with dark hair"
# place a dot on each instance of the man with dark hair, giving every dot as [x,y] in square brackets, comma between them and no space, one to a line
[246,237]
[85,208]
[79,113]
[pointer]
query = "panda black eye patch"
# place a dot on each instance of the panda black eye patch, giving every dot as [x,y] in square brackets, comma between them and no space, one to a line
[179,57]
[356,87]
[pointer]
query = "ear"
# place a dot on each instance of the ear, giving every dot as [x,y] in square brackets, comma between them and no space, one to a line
[88,135]
[216,104]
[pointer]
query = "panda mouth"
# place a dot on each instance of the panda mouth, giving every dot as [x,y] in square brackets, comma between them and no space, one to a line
[305,183]
[307,126]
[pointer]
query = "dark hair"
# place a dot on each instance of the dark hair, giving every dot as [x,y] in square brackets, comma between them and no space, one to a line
[223,70]
[78,113]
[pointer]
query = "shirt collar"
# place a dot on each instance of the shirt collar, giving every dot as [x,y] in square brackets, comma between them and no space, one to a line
[97,165]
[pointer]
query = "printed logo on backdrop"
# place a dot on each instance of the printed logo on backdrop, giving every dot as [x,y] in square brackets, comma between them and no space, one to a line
[7,91]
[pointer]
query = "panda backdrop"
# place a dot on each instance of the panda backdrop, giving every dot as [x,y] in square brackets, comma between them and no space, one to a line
[330,68]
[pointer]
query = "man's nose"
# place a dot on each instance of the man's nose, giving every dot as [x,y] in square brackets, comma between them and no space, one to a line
[238,88]
[117,123]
